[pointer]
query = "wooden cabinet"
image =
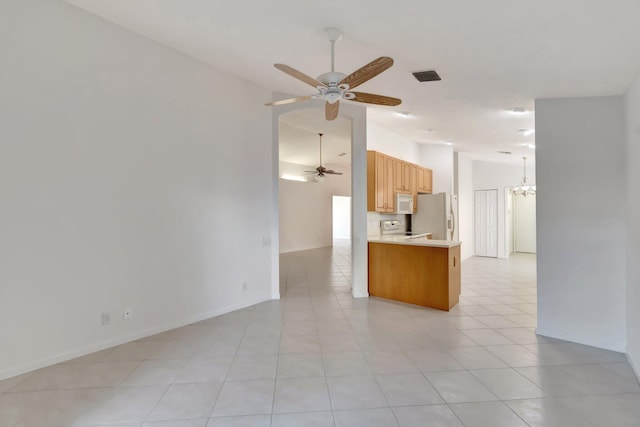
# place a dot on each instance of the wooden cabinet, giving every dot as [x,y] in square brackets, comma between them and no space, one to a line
[380,182]
[421,275]
[425,180]
[387,176]
[397,175]
[404,177]
[413,179]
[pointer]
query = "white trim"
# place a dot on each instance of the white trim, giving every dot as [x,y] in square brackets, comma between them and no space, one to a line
[83,351]
[613,346]
[360,294]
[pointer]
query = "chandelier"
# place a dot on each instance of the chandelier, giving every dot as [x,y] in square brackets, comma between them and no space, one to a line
[524,188]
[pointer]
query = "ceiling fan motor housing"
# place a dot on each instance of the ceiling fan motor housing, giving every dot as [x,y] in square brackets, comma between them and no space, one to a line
[332,78]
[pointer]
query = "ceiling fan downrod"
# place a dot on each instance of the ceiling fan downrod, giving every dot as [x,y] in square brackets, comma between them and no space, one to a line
[334,35]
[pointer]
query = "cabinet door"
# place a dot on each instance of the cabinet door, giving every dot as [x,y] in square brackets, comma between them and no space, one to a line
[413,185]
[424,184]
[380,183]
[420,180]
[389,167]
[398,175]
[428,181]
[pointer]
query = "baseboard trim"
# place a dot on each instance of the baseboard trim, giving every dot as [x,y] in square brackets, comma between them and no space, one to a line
[103,345]
[613,346]
[633,367]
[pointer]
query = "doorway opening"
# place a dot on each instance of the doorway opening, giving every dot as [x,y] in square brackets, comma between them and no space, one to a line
[523,224]
[341,218]
[315,203]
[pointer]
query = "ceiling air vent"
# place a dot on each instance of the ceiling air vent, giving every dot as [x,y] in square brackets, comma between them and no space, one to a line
[427,76]
[504,152]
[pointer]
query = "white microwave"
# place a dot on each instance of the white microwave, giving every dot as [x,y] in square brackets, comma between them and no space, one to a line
[404,203]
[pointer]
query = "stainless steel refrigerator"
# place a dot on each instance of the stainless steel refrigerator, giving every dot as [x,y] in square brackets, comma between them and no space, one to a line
[436,214]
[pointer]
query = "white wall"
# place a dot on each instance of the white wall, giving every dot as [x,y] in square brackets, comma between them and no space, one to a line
[500,176]
[439,158]
[463,186]
[390,143]
[306,210]
[128,177]
[581,213]
[633,224]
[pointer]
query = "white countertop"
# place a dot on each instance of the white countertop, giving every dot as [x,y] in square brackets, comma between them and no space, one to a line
[407,240]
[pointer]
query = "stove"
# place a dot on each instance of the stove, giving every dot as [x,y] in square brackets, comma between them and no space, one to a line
[398,228]
[393,228]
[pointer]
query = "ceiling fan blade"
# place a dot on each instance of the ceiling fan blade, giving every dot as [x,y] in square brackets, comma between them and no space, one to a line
[367,72]
[372,98]
[299,75]
[290,100]
[331,110]
[332,172]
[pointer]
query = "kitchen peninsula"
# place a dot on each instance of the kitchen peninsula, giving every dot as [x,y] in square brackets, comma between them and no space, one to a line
[415,270]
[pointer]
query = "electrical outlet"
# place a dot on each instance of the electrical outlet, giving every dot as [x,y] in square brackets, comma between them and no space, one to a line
[127,313]
[244,286]
[106,319]
[266,241]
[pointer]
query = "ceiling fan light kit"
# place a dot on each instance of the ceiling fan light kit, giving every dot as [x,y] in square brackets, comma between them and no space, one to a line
[334,86]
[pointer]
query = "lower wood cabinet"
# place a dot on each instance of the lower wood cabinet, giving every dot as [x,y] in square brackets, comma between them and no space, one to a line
[421,275]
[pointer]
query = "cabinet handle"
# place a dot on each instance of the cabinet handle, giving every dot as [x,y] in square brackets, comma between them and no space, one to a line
[454,261]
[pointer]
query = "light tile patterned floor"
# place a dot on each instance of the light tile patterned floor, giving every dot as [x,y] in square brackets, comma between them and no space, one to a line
[318,357]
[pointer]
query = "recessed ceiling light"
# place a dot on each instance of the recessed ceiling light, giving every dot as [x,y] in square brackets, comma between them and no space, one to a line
[403,113]
[429,130]
[518,110]
[531,146]
[504,152]
[342,154]
[526,132]
[448,142]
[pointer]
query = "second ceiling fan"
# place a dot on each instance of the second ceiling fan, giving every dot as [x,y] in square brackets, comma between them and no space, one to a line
[321,172]
[335,86]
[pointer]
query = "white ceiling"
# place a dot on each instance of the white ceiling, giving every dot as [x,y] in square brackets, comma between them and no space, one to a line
[492,55]
[300,142]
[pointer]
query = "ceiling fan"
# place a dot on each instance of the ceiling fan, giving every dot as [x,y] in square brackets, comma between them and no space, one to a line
[335,86]
[321,171]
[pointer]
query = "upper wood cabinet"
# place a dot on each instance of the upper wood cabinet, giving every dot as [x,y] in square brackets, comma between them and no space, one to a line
[425,180]
[402,176]
[405,177]
[380,182]
[413,177]
[387,176]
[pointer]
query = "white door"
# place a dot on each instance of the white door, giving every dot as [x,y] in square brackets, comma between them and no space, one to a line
[524,224]
[486,224]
